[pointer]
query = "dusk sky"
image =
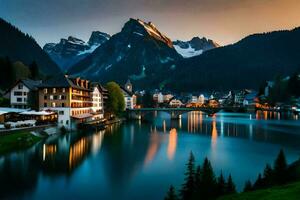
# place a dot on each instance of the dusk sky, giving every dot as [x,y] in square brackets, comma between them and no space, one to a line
[225,21]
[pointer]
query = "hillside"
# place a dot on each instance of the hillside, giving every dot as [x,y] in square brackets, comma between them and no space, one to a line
[19,46]
[286,192]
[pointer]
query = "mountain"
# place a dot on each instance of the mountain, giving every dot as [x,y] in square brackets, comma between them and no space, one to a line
[194,47]
[245,64]
[69,51]
[19,46]
[138,52]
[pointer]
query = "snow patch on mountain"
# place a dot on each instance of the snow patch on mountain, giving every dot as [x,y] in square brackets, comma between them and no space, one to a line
[188,52]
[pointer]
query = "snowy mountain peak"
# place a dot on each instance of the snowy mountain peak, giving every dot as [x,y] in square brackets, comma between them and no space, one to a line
[98,38]
[194,47]
[140,27]
[71,50]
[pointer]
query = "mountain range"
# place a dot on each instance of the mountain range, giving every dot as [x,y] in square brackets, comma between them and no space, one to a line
[71,50]
[138,52]
[150,59]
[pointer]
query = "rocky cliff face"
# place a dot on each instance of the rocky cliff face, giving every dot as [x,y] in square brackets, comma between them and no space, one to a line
[70,51]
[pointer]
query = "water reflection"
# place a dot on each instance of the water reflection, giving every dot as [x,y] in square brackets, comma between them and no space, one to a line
[136,153]
[172,143]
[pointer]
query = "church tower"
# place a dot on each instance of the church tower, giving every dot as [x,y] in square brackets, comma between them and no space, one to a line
[128,86]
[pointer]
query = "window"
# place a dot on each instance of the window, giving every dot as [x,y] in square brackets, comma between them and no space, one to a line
[25,99]
[45,91]
[45,97]
[54,90]
[53,105]
[20,86]
[45,104]
[67,122]
[61,121]
[51,97]
[19,99]
[61,112]
[55,97]
[64,90]
[17,93]
[63,105]
[24,93]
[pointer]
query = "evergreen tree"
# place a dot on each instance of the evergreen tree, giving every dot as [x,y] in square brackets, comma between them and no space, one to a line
[230,189]
[248,186]
[280,168]
[198,180]
[258,183]
[268,175]
[34,70]
[221,185]
[171,195]
[208,186]
[188,188]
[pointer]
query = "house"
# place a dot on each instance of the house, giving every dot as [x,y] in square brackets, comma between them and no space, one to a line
[129,96]
[24,94]
[75,100]
[175,103]
[97,101]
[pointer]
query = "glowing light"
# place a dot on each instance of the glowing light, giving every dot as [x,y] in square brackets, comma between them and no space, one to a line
[172,143]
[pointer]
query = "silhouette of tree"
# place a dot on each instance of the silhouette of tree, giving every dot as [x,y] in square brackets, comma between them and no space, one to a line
[248,186]
[171,195]
[258,183]
[208,186]
[230,189]
[34,69]
[221,185]
[280,168]
[268,175]
[188,188]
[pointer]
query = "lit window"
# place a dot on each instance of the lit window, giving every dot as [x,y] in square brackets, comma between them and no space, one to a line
[51,97]
[45,91]
[64,90]
[53,105]
[54,90]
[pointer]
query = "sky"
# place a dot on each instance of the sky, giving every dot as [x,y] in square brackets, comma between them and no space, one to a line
[224,21]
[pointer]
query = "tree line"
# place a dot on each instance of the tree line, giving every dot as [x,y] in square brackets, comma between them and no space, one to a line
[15,71]
[201,182]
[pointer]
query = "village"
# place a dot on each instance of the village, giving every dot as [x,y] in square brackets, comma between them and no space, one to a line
[67,102]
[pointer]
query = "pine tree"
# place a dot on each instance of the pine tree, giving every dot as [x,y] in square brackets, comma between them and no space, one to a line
[208,186]
[268,175]
[34,70]
[198,181]
[171,195]
[188,188]
[221,185]
[280,168]
[230,189]
[248,186]
[258,183]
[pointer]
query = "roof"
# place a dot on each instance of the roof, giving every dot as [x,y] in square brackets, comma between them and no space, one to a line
[4,110]
[32,112]
[126,91]
[30,84]
[61,81]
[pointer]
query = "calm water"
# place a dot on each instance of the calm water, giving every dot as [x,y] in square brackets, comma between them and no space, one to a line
[139,160]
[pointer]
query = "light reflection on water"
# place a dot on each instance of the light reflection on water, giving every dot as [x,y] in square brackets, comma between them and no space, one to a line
[132,160]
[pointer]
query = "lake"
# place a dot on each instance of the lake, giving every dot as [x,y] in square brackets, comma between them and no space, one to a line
[141,159]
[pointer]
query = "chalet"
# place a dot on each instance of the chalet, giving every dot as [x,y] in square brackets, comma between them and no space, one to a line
[24,94]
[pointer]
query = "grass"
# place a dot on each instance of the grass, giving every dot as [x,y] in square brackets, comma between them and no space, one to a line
[286,192]
[18,140]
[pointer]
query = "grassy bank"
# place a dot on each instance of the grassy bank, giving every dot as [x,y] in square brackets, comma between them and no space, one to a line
[286,192]
[17,140]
